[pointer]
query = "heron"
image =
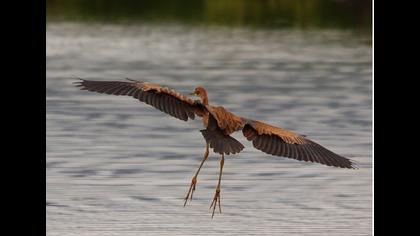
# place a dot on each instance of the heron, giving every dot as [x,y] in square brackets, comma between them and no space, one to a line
[219,124]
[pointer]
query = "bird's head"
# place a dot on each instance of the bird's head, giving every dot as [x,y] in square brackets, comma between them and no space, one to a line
[201,92]
[198,91]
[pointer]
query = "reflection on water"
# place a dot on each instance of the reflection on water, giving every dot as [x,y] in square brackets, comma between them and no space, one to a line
[118,167]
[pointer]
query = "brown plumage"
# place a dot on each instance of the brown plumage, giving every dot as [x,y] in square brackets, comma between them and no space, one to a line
[219,124]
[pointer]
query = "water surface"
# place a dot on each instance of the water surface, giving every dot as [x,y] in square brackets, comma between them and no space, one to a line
[119,167]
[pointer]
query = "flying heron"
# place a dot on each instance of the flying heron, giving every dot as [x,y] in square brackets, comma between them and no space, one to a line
[219,124]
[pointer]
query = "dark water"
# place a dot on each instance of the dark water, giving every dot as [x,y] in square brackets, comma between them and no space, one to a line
[119,167]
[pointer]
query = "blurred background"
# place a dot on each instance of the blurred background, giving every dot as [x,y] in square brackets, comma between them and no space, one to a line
[340,14]
[119,167]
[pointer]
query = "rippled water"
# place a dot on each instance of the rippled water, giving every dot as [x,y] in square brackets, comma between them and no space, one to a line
[119,167]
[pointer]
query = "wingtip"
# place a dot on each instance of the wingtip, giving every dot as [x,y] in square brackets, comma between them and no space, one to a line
[354,165]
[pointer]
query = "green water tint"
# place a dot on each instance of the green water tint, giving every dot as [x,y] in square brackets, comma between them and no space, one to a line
[353,15]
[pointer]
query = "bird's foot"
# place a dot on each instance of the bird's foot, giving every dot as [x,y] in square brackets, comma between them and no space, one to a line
[191,190]
[216,199]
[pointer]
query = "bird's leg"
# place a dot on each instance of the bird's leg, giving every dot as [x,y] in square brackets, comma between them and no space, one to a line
[194,179]
[216,198]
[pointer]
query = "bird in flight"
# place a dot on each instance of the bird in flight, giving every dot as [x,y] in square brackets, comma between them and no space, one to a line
[219,124]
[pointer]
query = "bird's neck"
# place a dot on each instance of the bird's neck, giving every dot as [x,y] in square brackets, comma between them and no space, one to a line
[204,98]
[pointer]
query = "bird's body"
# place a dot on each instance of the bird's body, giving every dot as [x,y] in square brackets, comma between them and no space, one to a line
[219,124]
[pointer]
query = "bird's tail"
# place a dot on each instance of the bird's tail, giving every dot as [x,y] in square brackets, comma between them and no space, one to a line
[222,143]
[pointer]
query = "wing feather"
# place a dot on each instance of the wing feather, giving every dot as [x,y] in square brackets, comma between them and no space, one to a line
[281,142]
[162,98]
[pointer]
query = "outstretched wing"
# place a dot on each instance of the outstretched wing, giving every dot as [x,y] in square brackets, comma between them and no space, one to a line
[281,142]
[165,99]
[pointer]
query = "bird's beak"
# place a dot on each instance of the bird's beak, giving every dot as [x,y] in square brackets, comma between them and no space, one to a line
[193,94]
